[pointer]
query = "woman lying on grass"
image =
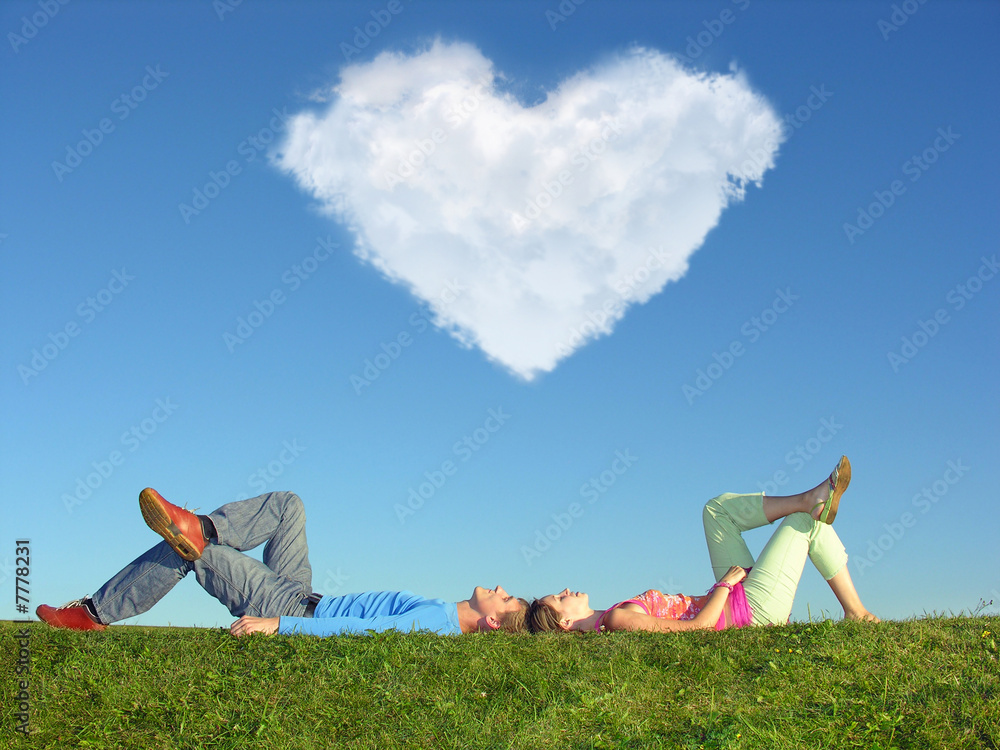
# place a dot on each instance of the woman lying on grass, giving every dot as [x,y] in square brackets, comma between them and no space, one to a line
[748,592]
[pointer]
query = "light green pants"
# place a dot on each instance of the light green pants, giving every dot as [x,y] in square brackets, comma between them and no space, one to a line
[770,586]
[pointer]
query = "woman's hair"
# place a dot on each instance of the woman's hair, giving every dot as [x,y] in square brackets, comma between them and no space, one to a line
[514,622]
[542,618]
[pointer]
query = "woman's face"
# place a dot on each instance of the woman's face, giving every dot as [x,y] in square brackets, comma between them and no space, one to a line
[571,605]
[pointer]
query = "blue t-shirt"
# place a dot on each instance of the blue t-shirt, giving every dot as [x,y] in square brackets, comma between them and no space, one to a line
[378,611]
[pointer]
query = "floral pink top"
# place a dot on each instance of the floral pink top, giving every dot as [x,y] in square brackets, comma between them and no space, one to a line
[684,607]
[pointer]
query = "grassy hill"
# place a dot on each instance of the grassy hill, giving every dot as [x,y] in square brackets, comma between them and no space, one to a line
[922,683]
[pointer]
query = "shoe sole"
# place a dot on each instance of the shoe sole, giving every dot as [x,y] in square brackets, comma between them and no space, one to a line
[843,479]
[158,519]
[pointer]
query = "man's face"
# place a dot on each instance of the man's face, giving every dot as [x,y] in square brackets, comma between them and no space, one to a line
[494,602]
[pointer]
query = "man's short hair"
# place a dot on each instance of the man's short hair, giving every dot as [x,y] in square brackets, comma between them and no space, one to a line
[514,622]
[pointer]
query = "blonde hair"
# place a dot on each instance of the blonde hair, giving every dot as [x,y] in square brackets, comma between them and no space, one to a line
[514,622]
[542,617]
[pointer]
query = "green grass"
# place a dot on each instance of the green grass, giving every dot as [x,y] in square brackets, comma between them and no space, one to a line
[920,683]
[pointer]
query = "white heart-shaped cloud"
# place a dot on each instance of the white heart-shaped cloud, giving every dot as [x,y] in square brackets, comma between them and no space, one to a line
[529,230]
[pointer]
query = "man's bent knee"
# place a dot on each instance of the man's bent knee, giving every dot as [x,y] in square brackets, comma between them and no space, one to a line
[288,501]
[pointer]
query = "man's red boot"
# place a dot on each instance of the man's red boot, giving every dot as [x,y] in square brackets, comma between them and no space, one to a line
[72,615]
[181,528]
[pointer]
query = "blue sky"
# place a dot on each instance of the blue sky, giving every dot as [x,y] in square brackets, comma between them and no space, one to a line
[813,340]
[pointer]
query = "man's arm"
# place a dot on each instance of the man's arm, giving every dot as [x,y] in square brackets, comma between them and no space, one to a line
[326,626]
[247,624]
[431,617]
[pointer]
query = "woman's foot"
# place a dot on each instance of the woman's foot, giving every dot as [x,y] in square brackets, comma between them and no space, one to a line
[817,500]
[814,501]
[843,588]
[861,616]
[824,499]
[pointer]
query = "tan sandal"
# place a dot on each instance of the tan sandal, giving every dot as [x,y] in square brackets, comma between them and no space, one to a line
[839,479]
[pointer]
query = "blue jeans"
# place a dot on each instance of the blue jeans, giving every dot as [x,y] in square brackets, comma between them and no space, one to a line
[277,586]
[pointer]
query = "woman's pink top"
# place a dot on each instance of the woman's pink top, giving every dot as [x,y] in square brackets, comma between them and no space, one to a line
[683,607]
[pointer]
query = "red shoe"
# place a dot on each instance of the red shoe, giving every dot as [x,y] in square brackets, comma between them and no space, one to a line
[72,615]
[181,528]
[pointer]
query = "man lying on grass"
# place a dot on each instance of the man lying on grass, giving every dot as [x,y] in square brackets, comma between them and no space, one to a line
[748,592]
[273,596]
